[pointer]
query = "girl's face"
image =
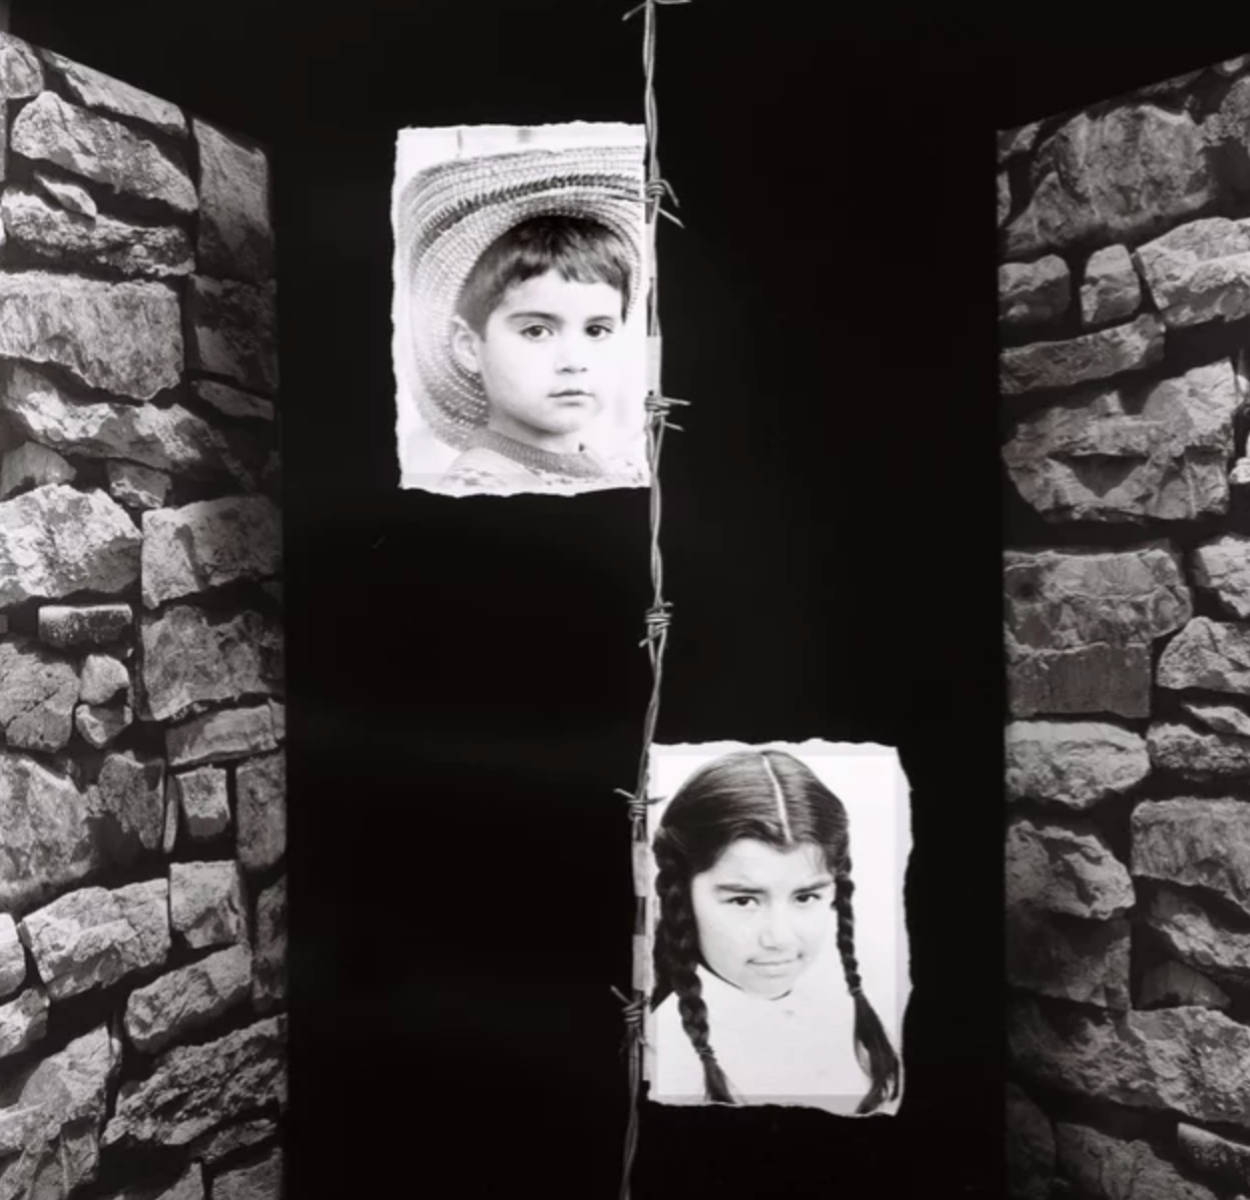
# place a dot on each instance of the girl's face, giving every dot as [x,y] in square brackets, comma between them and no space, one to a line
[763,914]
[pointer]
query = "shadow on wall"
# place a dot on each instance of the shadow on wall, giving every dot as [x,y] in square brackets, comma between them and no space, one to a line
[142,769]
[1125,316]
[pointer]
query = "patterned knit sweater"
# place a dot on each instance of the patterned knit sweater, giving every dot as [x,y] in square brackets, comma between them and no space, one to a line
[494,463]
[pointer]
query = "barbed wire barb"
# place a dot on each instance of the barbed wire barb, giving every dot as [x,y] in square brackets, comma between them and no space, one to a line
[633,12]
[658,618]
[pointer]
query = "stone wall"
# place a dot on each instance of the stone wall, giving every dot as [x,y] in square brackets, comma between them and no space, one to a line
[1125,317]
[142,768]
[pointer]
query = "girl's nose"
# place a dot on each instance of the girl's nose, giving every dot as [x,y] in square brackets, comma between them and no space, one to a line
[776,931]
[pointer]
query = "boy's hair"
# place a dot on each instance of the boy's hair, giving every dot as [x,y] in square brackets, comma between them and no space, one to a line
[769,796]
[580,249]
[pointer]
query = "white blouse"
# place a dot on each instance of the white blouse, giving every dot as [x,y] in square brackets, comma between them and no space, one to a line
[798,1049]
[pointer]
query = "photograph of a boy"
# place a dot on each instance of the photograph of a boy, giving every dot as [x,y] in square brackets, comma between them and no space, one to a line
[518,273]
[777,979]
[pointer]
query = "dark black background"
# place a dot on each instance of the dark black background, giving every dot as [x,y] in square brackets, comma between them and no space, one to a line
[466,688]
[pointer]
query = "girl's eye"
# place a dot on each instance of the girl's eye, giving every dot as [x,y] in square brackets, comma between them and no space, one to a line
[598,332]
[742,901]
[808,898]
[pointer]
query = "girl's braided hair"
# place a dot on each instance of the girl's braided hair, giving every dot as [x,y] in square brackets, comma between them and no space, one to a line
[732,798]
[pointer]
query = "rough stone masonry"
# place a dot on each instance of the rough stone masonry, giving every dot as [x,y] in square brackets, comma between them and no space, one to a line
[1124,284]
[142,731]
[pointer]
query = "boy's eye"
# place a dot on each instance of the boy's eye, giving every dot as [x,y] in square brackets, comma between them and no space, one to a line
[534,332]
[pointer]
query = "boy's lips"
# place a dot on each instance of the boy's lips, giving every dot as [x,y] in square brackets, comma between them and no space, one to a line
[571,394]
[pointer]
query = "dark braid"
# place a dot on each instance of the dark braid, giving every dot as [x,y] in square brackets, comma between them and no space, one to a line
[677,955]
[845,889]
[872,1046]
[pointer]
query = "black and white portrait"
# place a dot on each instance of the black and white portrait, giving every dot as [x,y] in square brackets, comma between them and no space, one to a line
[519,308]
[778,941]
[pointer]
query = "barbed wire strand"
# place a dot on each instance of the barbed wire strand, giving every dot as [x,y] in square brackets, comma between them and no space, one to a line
[658,616]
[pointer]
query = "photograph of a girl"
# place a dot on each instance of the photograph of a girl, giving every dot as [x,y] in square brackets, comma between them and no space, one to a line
[779,973]
[519,348]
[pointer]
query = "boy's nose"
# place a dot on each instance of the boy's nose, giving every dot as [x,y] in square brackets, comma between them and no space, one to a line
[571,355]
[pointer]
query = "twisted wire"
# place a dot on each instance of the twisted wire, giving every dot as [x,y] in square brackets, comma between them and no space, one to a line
[659,615]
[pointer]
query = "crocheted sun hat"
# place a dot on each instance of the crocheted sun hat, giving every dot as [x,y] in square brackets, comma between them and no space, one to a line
[448,215]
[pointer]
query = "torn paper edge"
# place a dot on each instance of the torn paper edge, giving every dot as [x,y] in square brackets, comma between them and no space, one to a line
[806,750]
[470,141]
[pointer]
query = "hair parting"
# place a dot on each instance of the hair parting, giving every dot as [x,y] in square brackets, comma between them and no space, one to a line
[780,797]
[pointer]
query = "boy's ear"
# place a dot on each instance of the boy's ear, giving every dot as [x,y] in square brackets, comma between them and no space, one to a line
[464,345]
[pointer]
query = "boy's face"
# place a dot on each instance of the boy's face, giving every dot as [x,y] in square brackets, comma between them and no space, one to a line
[549,360]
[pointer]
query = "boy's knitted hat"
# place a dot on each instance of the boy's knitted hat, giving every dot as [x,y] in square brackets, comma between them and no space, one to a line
[447,216]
